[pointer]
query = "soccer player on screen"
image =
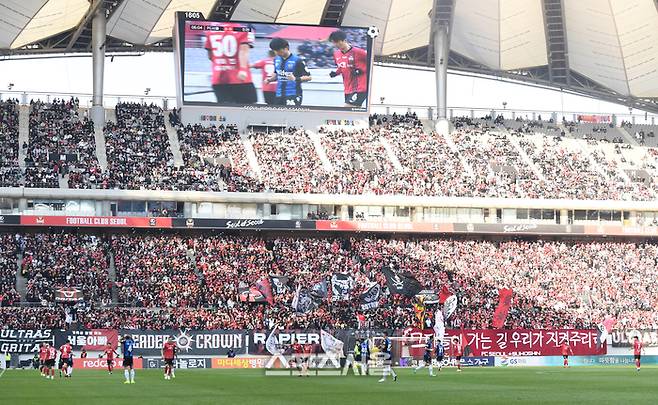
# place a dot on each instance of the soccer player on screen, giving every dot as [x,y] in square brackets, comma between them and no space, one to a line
[109,354]
[127,349]
[266,66]
[289,74]
[637,351]
[566,351]
[352,64]
[228,50]
[168,353]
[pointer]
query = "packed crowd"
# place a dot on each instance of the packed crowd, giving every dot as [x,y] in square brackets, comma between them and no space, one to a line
[288,162]
[481,158]
[215,159]
[10,173]
[61,143]
[8,265]
[138,151]
[195,281]
[65,260]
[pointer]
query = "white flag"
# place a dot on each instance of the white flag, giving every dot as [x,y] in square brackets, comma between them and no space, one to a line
[331,345]
[272,343]
[449,306]
[439,325]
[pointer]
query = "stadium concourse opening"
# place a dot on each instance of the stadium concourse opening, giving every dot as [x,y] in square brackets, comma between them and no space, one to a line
[272,235]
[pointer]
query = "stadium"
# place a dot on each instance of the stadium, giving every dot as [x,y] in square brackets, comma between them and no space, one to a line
[325,201]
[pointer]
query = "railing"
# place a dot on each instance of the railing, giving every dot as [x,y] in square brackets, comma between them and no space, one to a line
[423,111]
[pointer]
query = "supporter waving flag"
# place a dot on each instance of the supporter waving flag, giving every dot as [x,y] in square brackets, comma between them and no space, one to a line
[504,304]
[401,283]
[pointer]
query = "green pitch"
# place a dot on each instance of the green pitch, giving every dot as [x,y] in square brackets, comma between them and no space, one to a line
[611,385]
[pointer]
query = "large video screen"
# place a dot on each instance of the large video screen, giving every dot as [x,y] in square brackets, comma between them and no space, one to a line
[241,64]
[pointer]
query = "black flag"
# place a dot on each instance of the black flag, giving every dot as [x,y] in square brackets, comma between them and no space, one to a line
[401,283]
[370,298]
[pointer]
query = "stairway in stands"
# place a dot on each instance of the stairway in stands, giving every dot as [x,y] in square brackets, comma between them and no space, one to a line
[173,143]
[251,155]
[21,282]
[391,154]
[23,132]
[112,273]
[319,149]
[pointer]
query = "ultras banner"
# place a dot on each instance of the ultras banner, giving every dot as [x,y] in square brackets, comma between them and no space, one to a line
[24,340]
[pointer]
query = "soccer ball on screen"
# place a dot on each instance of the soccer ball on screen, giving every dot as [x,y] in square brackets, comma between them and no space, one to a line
[373,32]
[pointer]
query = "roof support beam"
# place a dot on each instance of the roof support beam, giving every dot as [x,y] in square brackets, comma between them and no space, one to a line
[83,23]
[442,13]
[556,42]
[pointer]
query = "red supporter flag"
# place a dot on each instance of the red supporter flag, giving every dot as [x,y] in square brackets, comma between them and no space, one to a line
[504,304]
[265,288]
[444,294]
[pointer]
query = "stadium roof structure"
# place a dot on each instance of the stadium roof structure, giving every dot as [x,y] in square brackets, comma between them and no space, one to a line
[606,49]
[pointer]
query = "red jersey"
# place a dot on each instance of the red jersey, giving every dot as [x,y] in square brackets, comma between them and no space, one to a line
[66,350]
[224,47]
[169,350]
[51,353]
[456,349]
[43,353]
[297,348]
[109,353]
[267,69]
[637,348]
[347,62]
[566,350]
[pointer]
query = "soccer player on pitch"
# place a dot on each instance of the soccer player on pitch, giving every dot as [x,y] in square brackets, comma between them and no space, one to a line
[228,50]
[168,353]
[566,351]
[43,355]
[51,354]
[457,351]
[365,355]
[352,64]
[439,352]
[66,359]
[109,354]
[637,351]
[266,67]
[289,74]
[127,349]
[385,348]
[427,358]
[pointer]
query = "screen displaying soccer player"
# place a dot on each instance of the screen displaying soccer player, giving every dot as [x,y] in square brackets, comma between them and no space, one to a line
[289,74]
[352,65]
[266,67]
[228,50]
[234,64]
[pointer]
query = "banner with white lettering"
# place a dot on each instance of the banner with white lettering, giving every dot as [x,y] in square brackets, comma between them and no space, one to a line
[21,341]
[189,342]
